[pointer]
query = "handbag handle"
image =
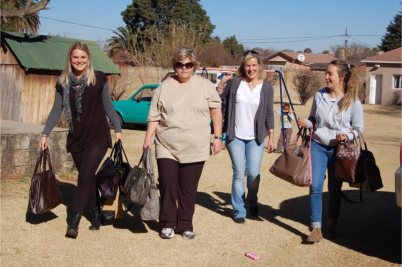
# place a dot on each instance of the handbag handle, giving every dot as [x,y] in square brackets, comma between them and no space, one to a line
[48,160]
[43,156]
[361,138]
[38,160]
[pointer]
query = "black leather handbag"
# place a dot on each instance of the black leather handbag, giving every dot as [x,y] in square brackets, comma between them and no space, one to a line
[111,173]
[367,173]
[44,193]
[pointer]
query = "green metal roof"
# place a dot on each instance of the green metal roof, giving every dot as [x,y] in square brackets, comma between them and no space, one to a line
[35,51]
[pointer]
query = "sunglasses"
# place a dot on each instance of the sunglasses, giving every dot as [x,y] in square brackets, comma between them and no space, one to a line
[188,65]
[250,51]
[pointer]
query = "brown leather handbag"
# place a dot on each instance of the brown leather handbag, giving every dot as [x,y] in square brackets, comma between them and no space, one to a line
[347,154]
[294,165]
[44,193]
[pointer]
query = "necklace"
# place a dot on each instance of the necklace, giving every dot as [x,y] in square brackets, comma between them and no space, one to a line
[251,88]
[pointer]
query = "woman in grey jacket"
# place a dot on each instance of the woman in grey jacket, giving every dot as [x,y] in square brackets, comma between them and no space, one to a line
[249,118]
[336,108]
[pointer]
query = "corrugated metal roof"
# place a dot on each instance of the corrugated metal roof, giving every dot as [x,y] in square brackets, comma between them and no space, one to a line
[35,51]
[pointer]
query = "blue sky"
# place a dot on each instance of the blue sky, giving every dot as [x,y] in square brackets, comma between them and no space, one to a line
[247,20]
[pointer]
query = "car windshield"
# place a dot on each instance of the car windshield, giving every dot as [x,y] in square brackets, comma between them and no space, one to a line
[145,94]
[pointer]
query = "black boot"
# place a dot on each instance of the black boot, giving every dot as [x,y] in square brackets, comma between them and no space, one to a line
[72,229]
[96,221]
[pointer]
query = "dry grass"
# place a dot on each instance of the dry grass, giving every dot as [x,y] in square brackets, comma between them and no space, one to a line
[369,233]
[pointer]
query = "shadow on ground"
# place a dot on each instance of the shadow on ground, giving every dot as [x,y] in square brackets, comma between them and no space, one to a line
[372,227]
[131,220]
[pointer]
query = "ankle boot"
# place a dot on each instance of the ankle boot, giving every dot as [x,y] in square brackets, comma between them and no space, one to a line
[315,236]
[72,229]
[96,221]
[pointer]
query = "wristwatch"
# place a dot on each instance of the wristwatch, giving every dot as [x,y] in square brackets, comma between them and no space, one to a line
[218,137]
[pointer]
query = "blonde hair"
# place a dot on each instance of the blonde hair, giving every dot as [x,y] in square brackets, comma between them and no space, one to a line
[241,72]
[89,71]
[183,53]
[352,85]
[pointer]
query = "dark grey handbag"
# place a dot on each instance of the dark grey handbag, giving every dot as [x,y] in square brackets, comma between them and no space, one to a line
[138,182]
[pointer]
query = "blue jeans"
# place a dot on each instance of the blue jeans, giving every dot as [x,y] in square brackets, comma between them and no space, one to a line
[246,158]
[323,157]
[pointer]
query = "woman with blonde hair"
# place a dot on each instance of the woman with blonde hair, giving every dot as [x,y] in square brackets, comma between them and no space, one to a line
[336,108]
[84,95]
[249,119]
[180,114]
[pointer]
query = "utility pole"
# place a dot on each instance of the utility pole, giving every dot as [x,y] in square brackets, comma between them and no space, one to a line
[346,45]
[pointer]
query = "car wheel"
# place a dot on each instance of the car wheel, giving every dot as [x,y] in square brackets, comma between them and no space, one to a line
[111,123]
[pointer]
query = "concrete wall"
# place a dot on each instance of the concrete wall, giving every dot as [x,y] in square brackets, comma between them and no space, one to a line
[19,153]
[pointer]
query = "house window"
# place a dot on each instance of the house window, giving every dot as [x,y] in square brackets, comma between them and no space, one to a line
[397,81]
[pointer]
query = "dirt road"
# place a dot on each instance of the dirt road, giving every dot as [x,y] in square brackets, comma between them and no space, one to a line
[369,233]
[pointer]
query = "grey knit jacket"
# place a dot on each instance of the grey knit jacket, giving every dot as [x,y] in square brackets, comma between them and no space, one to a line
[264,118]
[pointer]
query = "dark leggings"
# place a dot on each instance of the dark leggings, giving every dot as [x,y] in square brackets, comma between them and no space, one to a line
[87,162]
[178,182]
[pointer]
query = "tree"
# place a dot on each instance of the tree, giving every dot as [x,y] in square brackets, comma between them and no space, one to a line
[287,50]
[213,54]
[265,53]
[306,83]
[142,15]
[308,50]
[123,44]
[354,51]
[325,52]
[233,47]
[21,15]
[392,39]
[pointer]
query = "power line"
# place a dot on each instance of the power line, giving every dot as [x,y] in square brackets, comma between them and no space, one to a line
[292,37]
[77,24]
[358,41]
[289,39]
[294,41]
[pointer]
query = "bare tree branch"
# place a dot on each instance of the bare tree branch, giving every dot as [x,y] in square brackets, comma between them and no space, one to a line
[24,11]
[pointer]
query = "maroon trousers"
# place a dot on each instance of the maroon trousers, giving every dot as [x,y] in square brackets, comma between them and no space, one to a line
[178,185]
[288,136]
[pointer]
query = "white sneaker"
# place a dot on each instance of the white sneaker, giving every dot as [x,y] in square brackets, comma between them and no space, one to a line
[167,233]
[188,235]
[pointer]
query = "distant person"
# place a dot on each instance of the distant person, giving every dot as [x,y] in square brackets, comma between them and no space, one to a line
[249,119]
[288,117]
[180,114]
[336,108]
[84,95]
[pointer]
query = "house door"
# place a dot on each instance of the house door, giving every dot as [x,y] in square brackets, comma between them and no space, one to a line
[375,89]
[378,89]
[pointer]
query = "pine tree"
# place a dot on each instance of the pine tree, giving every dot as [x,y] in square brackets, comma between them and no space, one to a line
[392,39]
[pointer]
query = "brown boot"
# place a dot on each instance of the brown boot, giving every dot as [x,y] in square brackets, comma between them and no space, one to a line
[315,236]
[331,233]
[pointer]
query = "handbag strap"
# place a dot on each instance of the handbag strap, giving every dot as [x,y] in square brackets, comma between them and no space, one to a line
[48,160]
[352,201]
[361,139]
[38,160]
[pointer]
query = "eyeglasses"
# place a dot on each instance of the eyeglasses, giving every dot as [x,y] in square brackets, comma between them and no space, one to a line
[250,51]
[188,65]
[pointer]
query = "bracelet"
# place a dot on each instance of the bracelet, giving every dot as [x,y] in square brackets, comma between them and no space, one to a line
[218,137]
[222,87]
[44,135]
